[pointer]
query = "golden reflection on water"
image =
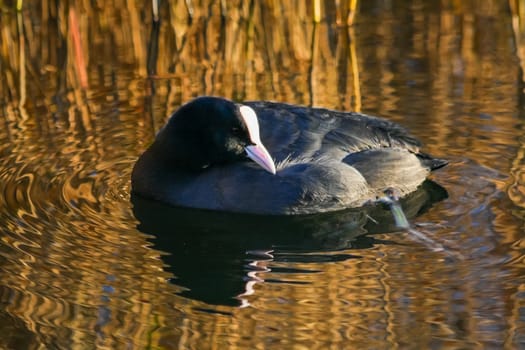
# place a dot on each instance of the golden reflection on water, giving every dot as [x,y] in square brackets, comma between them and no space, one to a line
[84,89]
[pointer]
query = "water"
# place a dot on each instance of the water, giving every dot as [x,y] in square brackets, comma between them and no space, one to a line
[84,265]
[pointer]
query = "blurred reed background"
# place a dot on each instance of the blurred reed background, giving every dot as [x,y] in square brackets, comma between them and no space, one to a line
[85,84]
[236,48]
[244,49]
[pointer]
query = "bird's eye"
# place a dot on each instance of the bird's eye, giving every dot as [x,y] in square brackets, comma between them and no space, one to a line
[235,130]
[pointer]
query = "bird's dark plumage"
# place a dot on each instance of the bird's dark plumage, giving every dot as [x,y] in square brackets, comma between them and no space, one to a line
[325,160]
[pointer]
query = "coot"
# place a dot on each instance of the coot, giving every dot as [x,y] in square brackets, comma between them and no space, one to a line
[278,159]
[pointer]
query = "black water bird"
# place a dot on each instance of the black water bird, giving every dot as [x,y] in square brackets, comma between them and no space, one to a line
[279,159]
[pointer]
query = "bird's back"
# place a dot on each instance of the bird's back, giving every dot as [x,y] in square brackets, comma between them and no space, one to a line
[295,131]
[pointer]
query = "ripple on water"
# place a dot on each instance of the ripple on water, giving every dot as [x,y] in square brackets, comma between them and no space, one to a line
[71,258]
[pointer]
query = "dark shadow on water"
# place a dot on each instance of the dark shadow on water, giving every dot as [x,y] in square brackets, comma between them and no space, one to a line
[211,253]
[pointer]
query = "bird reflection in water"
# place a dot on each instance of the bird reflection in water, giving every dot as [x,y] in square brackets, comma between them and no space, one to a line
[218,257]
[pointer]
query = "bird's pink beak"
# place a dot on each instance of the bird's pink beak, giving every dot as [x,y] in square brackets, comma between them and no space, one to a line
[256,152]
[260,155]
